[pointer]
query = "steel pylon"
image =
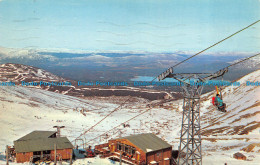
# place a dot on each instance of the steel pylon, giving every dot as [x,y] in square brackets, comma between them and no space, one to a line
[190,139]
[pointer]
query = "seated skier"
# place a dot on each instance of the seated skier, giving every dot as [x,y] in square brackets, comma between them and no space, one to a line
[219,103]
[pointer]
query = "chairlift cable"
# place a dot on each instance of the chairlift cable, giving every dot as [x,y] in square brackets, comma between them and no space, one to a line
[103,118]
[212,45]
[243,60]
[172,67]
[120,124]
[149,109]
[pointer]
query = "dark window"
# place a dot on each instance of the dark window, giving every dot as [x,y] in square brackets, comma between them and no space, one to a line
[53,136]
[47,152]
[119,146]
[37,153]
[81,152]
[127,149]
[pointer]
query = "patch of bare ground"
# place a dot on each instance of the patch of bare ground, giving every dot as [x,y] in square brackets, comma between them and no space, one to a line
[231,116]
[215,120]
[245,116]
[251,128]
[205,98]
[34,100]
[211,149]
[218,139]
[210,139]
[251,89]
[2,99]
[244,129]
[214,131]
[230,147]
[250,147]
[252,106]
[33,105]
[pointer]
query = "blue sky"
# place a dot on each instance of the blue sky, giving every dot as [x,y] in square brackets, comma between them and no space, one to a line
[143,25]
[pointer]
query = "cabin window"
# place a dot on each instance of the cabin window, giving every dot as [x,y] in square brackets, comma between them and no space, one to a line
[133,151]
[47,152]
[119,146]
[81,152]
[127,149]
[37,153]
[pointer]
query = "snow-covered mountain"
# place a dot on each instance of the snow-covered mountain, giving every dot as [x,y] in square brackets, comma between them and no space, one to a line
[23,110]
[248,64]
[121,65]
[19,73]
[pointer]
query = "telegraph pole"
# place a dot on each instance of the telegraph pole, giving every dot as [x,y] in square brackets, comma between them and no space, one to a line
[120,159]
[7,155]
[55,154]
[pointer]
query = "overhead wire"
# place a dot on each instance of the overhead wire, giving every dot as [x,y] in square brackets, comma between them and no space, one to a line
[242,60]
[213,45]
[175,66]
[149,109]
[120,124]
[103,118]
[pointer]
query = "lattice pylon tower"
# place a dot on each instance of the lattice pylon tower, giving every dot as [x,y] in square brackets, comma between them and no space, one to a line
[190,139]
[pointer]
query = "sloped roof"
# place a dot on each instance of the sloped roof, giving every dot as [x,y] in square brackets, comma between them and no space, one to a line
[40,141]
[147,142]
[37,135]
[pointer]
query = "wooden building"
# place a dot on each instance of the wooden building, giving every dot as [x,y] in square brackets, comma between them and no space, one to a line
[239,156]
[40,145]
[141,149]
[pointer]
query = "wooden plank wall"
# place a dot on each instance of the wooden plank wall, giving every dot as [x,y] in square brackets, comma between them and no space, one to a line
[23,157]
[159,156]
[65,153]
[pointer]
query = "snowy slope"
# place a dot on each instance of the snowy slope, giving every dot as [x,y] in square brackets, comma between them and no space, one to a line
[23,110]
[224,134]
[227,133]
[243,106]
